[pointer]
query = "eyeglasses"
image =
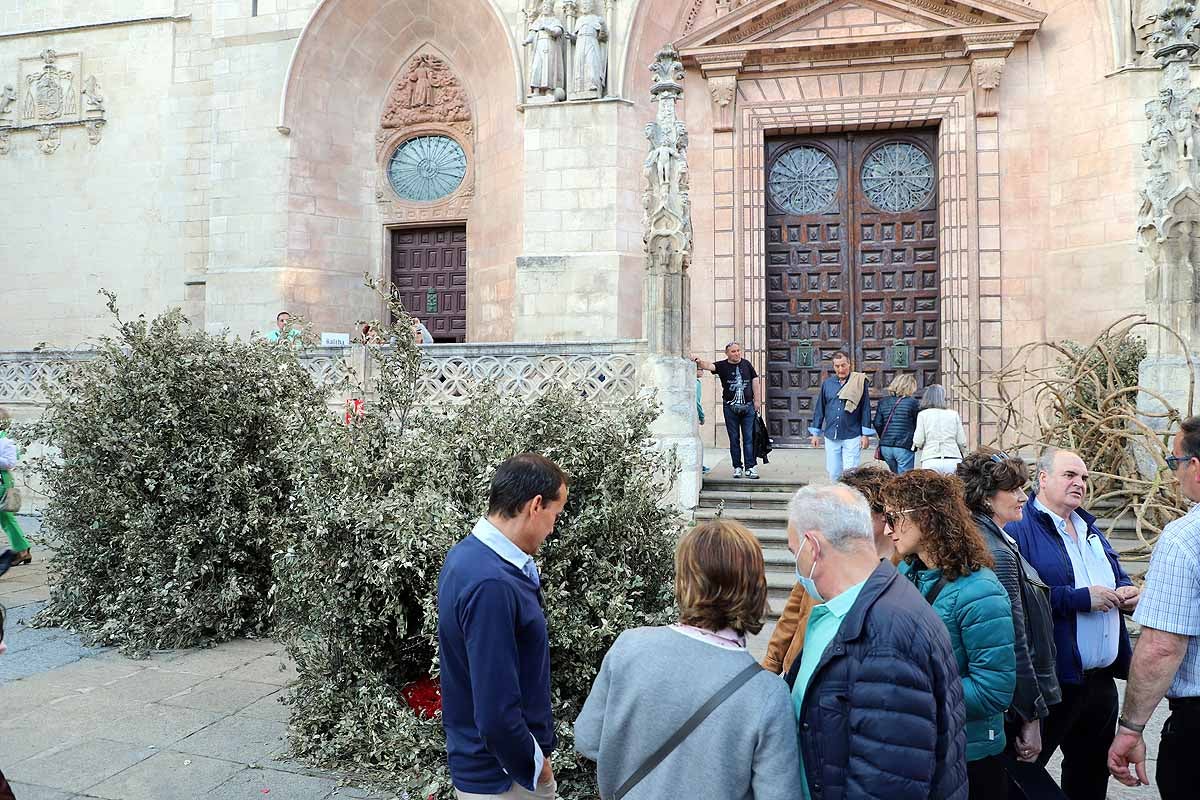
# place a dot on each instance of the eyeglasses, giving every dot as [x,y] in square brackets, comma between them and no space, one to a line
[890,516]
[1175,462]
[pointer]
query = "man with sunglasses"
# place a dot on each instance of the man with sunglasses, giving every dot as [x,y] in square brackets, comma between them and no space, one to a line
[1167,659]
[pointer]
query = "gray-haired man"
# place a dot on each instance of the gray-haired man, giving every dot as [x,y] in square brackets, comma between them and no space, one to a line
[741,405]
[876,689]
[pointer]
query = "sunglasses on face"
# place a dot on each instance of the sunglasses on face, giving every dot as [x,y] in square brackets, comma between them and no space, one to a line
[892,516]
[1175,462]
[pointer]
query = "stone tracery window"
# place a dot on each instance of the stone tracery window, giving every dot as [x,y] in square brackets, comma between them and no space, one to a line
[804,180]
[897,177]
[427,168]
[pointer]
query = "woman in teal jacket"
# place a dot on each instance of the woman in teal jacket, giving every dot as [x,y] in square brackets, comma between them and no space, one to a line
[948,562]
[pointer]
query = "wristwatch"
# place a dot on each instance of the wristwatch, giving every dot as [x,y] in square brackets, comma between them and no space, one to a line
[1131,726]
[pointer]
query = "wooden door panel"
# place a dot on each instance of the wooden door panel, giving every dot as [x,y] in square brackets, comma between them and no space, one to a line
[430,264]
[850,267]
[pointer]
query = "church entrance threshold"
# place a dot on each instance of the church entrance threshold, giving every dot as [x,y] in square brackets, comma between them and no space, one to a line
[851,265]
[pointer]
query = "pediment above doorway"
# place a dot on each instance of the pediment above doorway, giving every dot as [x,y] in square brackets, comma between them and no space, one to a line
[811,31]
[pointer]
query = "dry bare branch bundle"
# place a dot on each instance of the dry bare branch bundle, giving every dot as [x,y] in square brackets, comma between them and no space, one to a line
[1086,398]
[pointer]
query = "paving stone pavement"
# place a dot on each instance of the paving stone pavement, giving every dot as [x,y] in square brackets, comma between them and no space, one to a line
[86,722]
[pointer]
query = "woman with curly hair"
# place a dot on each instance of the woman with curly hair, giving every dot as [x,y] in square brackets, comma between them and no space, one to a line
[994,484]
[653,680]
[950,565]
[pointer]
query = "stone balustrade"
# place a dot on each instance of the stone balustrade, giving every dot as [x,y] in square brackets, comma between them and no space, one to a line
[606,371]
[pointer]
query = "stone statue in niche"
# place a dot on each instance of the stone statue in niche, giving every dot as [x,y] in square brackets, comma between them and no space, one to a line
[591,53]
[92,98]
[1141,17]
[547,67]
[426,91]
[7,97]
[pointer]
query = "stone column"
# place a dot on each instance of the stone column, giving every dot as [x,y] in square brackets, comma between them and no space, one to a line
[1169,218]
[665,304]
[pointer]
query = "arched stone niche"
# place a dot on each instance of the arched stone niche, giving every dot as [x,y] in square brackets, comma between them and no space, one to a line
[426,100]
[345,67]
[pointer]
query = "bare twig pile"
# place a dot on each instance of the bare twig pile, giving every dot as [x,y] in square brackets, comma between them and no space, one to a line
[1086,398]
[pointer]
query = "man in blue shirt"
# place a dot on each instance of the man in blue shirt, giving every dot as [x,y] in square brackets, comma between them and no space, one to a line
[1088,593]
[1167,659]
[494,646]
[845,422]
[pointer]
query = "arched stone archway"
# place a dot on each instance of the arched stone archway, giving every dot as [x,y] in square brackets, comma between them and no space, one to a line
[345,63]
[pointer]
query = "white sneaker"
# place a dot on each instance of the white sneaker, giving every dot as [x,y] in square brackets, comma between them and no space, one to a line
[737,472]
[752,473]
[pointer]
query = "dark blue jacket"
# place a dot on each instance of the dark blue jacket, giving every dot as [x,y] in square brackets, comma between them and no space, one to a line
[1043,548]
[883,716]
[830,418]
[899,432]
[490,617]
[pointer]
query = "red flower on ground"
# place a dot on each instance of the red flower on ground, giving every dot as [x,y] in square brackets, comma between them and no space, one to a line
[424,696]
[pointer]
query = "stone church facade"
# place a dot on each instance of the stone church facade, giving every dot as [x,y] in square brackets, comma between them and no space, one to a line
[928,184]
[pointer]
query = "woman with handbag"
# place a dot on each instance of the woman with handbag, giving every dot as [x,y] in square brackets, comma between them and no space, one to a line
[657,723]
[939,435]
[10,496]
[950,566]
[896,420]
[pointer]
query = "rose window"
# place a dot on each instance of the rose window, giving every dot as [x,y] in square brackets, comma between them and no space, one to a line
[427,168]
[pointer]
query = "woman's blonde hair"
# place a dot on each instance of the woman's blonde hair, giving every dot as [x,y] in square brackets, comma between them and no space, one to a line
[5,418]
[720,578]
[903,385]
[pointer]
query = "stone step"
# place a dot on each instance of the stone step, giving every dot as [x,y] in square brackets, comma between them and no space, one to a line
[752,517]
[711,499]
[764,484]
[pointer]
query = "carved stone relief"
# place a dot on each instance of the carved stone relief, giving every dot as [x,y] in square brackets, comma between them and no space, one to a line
[987,82]
[423,145]
[51,94]
[667,221]
[1169,218]
[723,89]
[427,91]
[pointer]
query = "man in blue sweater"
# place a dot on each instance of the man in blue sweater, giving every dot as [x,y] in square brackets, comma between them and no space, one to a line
[842,414]
[495,651]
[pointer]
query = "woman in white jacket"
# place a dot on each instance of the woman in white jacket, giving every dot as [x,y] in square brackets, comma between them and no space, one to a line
[939,436]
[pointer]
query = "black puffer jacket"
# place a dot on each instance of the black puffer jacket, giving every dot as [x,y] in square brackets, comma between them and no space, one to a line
[1037,681]
[883,716]
[900,430]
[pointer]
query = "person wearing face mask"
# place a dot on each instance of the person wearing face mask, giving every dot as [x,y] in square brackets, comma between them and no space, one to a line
[994,484]
[875,692]
[947,561]
[787,640]
[1089,591]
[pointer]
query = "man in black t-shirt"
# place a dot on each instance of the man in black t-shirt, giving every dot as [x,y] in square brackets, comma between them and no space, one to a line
[741,405]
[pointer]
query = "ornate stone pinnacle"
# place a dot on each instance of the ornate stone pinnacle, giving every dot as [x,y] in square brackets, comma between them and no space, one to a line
[668,71]
[1175,38]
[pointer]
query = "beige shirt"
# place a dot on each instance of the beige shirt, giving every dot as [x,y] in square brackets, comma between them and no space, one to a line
[939,434]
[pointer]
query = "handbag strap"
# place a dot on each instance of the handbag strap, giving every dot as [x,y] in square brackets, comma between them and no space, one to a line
[889,419]
[937,590]
[693,722]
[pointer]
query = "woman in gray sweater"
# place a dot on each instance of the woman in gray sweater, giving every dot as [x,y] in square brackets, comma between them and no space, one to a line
[654,679]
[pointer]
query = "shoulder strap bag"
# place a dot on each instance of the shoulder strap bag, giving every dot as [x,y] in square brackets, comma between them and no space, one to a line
[879,447]
[937,590]
[10,497]
[685,730]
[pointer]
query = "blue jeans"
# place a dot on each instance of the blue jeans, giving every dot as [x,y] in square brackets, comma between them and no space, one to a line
[739,424]
[841,456]
[899,459]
